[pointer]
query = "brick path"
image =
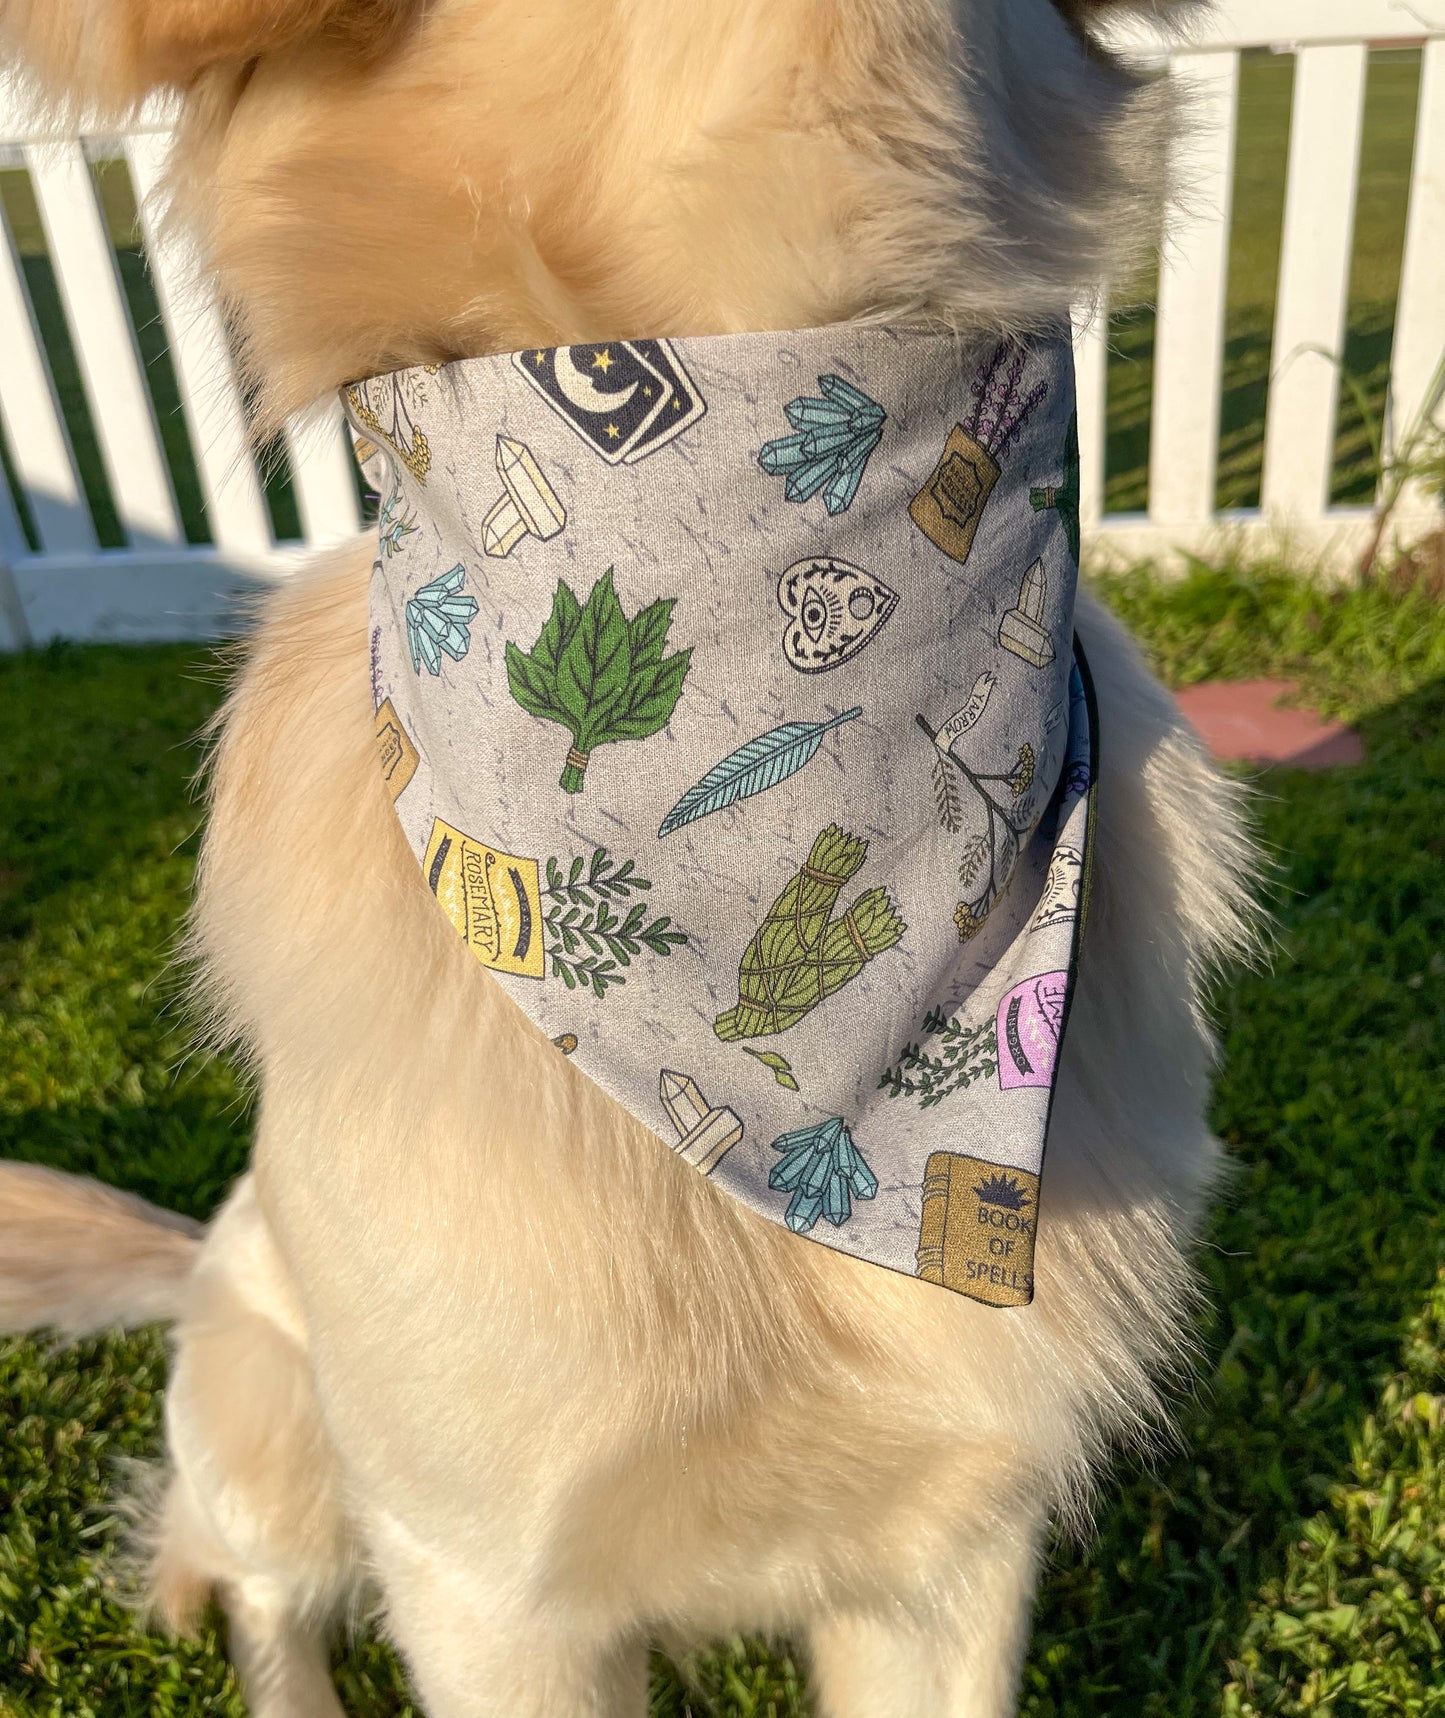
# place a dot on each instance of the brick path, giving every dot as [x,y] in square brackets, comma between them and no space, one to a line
[1244,720]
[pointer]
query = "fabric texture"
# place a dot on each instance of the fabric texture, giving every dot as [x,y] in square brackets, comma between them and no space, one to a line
[727,694]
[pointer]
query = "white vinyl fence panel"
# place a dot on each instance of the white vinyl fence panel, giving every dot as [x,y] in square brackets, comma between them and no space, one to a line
[156,585]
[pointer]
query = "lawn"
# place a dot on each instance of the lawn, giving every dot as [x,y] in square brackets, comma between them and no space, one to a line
[1285,1557]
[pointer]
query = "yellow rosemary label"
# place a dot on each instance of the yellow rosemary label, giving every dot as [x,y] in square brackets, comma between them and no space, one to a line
[492,898]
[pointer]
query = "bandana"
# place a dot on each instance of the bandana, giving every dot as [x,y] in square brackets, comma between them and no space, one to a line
[727,695]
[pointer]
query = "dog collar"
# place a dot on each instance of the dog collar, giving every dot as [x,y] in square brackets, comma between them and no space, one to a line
[727,694]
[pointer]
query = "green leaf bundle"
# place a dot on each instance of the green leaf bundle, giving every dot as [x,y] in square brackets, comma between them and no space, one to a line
[598,674]
[801,953]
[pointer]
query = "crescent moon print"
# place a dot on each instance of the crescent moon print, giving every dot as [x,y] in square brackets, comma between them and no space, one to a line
[625,398]
[580,387]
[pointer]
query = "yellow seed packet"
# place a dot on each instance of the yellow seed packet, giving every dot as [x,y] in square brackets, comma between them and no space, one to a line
[394,748]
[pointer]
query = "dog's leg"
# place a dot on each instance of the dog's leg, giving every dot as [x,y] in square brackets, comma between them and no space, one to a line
[475,1649]
[283,1662]
[279,1651]
[252,1512]
[962,1663]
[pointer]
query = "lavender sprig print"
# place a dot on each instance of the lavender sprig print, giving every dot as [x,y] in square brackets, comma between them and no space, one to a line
[1000,411]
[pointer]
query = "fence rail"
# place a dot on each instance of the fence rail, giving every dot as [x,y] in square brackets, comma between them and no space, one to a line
[57,580]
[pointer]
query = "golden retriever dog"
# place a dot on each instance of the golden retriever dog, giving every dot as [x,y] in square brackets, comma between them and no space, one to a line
[409,1359]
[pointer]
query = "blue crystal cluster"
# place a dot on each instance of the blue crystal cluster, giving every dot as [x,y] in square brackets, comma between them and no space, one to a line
[437,618]
[824,1171]
[835,436]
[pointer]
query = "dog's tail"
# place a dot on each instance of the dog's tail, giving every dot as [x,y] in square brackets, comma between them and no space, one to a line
[78,1256]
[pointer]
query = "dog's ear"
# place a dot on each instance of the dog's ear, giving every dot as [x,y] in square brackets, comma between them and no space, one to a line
[113,53]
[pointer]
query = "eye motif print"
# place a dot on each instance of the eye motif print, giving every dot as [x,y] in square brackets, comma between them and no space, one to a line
[834,610]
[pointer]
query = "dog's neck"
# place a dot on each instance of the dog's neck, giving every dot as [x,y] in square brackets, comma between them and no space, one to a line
[498,181]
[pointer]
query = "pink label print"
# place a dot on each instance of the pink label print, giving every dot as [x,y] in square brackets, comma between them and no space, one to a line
[1030,1018]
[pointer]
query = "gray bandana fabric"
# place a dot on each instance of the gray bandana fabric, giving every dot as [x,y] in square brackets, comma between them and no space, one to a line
[727,693]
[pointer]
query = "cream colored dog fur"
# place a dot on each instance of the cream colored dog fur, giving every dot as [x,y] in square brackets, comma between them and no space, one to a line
[466,1334]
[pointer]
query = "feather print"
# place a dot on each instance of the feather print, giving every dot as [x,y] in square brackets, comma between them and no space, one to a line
[760,764]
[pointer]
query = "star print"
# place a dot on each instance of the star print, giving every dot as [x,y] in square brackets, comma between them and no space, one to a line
[537,358]
[603,361]
[613,431]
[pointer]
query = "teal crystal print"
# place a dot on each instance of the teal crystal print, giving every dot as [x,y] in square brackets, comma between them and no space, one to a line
[834,437]
[437,619]
[824,1171]
[754,768]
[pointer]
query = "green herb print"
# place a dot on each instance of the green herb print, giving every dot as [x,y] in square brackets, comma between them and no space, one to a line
[598,674]
[587,941]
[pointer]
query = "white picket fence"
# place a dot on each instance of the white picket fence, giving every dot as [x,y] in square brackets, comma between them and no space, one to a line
[1331,40]
[159,587]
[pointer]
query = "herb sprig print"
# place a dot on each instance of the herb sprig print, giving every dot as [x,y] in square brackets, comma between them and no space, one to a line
[988,858]
[598,674]
[962,1055]
[588,942]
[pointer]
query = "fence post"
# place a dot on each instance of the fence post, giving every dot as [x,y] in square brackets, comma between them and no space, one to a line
[1420,320]
[105,344]
[196,334]
[1189,344]
[1314,280]
[34,430]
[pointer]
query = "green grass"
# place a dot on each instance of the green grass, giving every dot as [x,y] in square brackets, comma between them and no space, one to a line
[1283,1558]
